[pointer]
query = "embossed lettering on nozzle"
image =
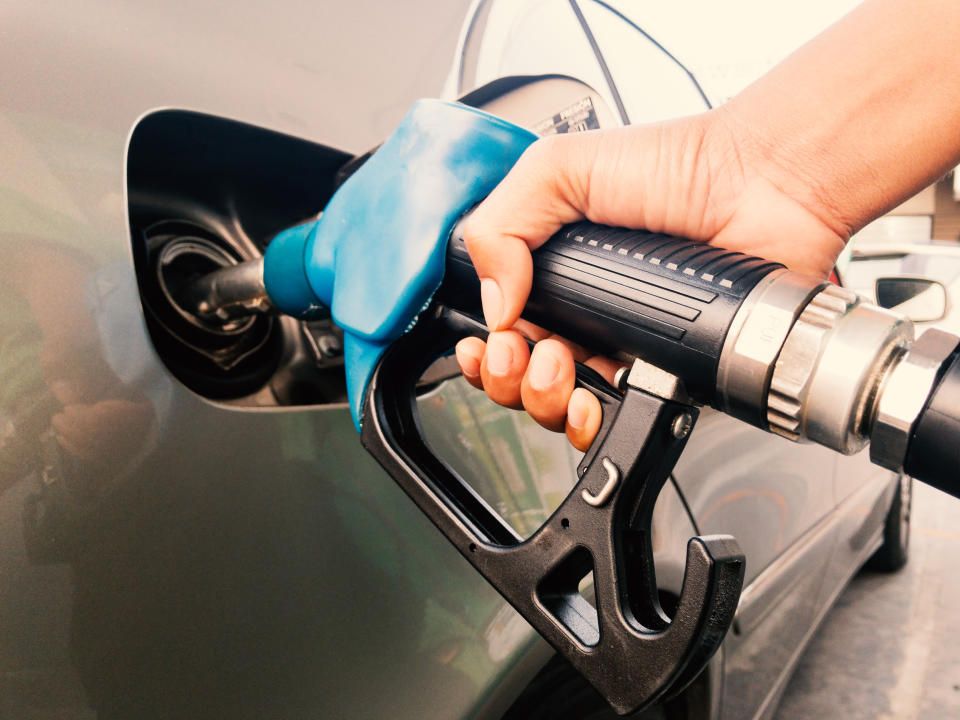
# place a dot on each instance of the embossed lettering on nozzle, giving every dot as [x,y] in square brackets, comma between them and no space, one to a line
[831,368]
[755,339]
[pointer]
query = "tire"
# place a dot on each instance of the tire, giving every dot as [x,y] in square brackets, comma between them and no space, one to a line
[893,554]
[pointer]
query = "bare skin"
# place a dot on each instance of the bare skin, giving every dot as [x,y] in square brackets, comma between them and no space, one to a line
[852,124]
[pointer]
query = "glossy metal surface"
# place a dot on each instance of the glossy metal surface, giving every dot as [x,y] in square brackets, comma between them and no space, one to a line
[806,518]
[754,341]
[234,291]
[905,392]
[827,375]
[215,562]
[202,561]
[770,493]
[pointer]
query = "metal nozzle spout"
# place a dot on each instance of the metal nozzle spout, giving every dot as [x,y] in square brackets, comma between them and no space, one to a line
[230,292]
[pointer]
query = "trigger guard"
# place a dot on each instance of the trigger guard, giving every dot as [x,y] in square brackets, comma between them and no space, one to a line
[628,649]
[610,399]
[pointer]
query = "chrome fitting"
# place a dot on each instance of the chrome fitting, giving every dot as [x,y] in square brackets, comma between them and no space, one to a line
[654,381]
[905,390]
[827,375]
[754,340]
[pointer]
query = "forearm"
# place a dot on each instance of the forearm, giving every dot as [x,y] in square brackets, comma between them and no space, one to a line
[863,116]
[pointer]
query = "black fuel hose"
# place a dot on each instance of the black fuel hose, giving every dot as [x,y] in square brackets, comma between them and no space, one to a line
[933,454]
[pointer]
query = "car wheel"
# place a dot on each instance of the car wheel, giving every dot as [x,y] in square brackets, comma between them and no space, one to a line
[893,554]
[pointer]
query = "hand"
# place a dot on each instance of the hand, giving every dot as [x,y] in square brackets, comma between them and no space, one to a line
[541,381]
[701,178]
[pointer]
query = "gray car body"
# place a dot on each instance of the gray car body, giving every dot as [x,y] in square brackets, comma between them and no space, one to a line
[238,561]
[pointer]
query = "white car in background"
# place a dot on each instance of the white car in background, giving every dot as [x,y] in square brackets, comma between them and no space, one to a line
[920,280]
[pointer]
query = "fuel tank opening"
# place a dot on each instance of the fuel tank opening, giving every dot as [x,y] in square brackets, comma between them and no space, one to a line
[216,357]
[179,265]
[206,195]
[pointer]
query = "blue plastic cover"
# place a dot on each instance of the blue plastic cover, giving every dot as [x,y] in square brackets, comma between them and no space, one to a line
[376,255]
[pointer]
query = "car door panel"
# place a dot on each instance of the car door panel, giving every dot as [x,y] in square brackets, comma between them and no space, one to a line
[864,492]
[776,498]
[197,559]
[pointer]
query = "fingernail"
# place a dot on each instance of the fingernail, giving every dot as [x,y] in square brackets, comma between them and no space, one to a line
[499,356]
[492,300]
[544,369]
[469,364]
[577,413]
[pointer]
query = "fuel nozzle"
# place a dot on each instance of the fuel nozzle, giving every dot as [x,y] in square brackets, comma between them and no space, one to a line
[801,358]
[791,354]
[227,293]
[782,351]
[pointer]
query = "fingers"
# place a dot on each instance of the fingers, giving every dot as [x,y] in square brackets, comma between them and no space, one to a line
[583,418]
[542,382]
[584,413]
[538,196]
[606,367]
[504,363]
[537,333]
[469,355]
[505,269]
[548,383]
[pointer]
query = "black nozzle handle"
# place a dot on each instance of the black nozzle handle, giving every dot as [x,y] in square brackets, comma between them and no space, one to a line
[625,646]
[665,299]
[933,453]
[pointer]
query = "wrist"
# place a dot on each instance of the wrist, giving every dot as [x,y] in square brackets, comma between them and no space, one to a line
[791,165]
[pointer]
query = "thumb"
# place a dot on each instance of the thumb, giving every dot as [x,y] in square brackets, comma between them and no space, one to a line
[543,192]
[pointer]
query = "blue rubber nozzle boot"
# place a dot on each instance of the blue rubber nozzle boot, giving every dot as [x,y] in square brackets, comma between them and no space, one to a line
[376,255]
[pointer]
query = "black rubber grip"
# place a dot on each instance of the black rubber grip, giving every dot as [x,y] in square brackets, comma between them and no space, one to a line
[933,455]
[667,300]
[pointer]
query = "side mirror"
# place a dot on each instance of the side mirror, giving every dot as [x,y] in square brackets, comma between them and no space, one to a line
[919,299]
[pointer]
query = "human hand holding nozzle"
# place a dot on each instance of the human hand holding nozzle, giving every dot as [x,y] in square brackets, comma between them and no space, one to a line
[787,170]
[703,186]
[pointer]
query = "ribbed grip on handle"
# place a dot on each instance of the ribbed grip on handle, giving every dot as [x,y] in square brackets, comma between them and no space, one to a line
[665,299]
